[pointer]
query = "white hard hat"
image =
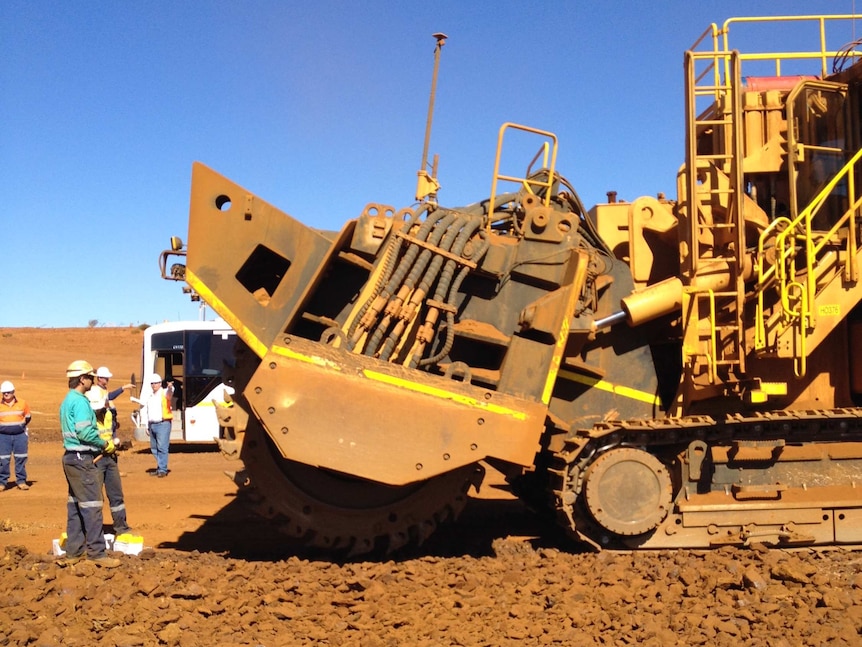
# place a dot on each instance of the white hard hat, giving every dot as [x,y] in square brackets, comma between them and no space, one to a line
[103,372]
[79,367]
[155,377]
[97,401]
[7,387]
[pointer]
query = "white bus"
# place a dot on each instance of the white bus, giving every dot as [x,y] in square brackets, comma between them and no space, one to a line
[191,354]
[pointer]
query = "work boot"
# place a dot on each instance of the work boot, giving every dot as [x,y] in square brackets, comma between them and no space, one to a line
[68,560]
[23,486]
[107,562]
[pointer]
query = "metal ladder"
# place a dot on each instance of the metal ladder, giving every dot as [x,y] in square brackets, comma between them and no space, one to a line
[714,190]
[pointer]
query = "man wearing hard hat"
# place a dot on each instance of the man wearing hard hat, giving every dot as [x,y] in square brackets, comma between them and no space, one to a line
[159,416]
[99,391]
[83,446]
[14,416]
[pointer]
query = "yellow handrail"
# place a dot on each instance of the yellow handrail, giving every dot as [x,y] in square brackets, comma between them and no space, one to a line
[525,182]
[795,237]
[822,53]
[721,46]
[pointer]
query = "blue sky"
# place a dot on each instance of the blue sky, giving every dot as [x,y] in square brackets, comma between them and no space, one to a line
[318,108]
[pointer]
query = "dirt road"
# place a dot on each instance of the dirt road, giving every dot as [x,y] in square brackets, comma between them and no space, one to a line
[163,511]
[216,575]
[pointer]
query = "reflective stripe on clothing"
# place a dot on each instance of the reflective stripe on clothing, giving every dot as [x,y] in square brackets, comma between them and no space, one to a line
[13,446]
[78,423]
[84,506]
[110,470]
[14,416]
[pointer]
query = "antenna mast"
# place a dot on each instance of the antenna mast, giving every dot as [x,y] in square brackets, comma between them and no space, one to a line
[427,185]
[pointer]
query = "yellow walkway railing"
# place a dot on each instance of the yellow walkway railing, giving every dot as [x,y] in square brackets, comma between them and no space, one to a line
[797,252]
[713,72]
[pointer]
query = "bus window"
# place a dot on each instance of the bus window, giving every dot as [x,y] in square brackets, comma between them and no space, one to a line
[207,352]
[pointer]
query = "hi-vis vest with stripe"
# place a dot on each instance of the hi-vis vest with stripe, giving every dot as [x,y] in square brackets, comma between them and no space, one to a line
[166,407]
[166,413]
[105,425]
[14,417]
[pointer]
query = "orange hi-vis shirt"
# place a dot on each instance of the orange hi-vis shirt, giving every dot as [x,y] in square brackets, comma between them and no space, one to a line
[14,417]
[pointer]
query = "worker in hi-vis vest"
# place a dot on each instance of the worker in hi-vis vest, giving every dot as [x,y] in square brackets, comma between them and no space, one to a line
[108,465]
[156,410]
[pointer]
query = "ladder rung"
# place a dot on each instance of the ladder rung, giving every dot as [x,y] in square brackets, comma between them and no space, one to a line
[717,191]
[716,225]
[704,295]
[725,293]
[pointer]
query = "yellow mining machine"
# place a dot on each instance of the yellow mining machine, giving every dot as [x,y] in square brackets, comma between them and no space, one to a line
[655,374]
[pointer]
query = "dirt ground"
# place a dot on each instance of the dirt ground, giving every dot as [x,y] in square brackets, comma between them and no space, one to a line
[214,574]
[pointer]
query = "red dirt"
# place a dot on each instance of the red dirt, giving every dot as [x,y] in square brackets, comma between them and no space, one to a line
[216,575]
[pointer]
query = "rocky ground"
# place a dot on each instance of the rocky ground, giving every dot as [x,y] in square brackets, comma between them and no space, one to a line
[520,595]
[214,575]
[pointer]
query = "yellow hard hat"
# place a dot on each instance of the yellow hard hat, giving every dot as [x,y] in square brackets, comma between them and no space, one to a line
[79,367]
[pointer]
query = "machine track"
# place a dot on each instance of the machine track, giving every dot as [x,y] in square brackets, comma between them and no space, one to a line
[781,478]
[342,514]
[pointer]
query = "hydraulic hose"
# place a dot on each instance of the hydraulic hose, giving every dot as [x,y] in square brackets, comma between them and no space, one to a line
[450,302]
[453,225]
[397,290]
[389,264]
[402,308]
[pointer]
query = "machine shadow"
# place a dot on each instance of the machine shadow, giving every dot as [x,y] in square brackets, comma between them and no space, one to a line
[237,532]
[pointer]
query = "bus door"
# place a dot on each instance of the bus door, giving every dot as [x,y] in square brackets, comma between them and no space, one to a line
[193,360]
[202,387]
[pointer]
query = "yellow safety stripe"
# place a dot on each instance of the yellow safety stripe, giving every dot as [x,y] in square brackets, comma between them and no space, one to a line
[308,359]
[575,287]
[554,368]
[442,393]
[616,389]
[225,313]
[404,384]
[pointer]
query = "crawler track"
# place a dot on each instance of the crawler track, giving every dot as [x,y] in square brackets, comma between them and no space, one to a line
[783,478]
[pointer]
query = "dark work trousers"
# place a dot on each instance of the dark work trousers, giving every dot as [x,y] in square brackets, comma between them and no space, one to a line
[13,445]
[110,470]
[84,508]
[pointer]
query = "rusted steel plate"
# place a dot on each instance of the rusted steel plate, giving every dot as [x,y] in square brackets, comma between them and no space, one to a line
[329,408]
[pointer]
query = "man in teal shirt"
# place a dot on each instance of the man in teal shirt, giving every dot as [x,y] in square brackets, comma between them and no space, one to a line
[83,446]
